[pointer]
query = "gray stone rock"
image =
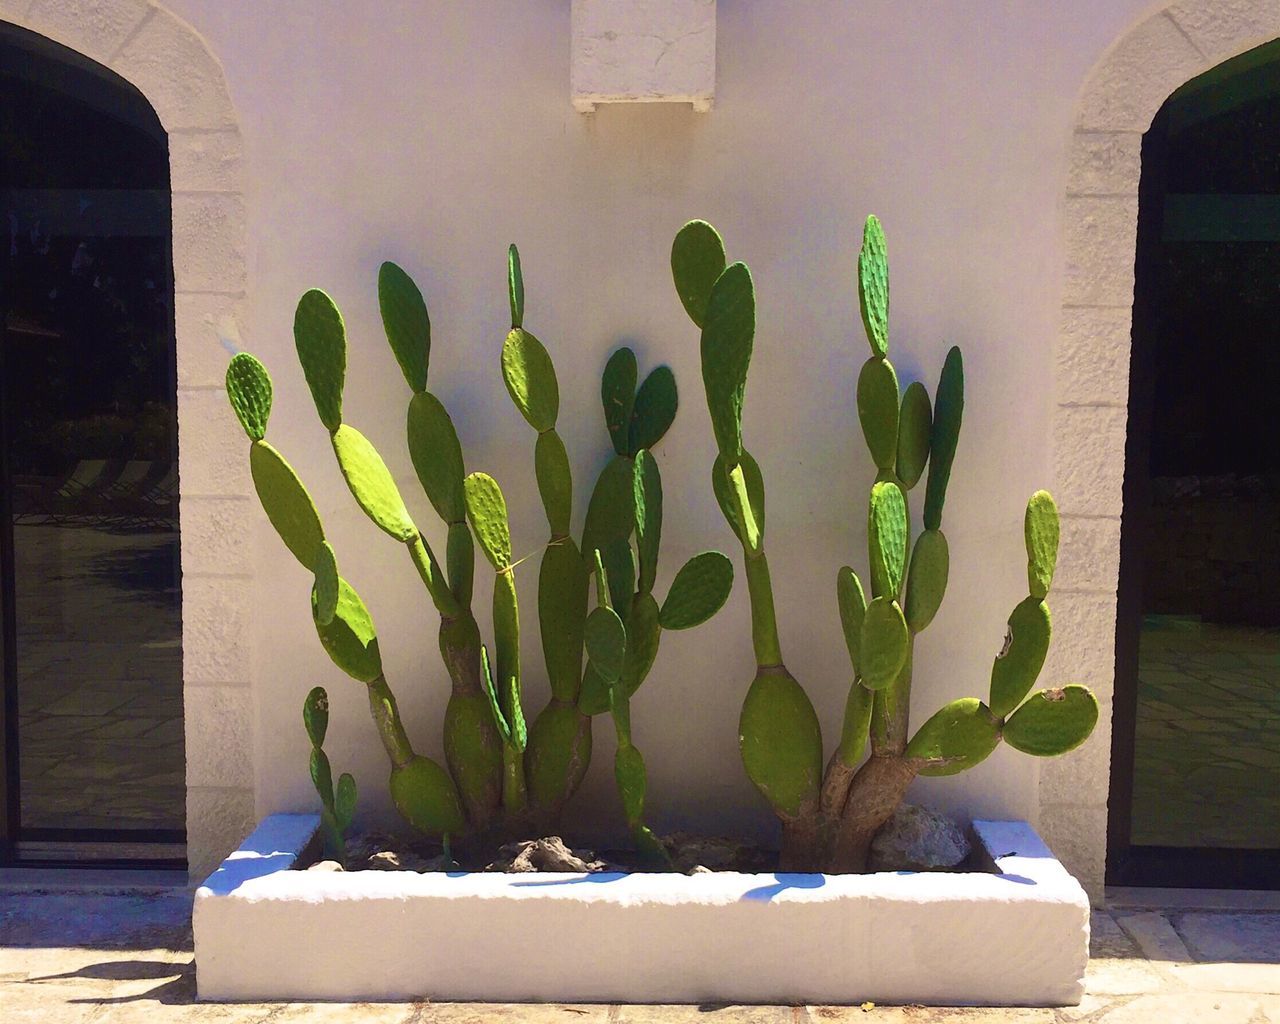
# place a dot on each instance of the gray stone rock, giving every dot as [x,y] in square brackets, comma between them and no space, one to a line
[326,865]
[547,854]
[918,839]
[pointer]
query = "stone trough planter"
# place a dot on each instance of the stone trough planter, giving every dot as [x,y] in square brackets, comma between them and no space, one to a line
[1016,934]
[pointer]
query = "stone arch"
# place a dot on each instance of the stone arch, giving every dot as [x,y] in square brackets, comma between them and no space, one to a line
[1121,96]
[168,62]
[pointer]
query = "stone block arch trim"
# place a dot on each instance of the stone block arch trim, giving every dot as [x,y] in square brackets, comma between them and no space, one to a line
[169,63]
[1121,96]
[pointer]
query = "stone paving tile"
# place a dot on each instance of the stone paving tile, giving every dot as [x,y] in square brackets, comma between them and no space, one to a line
[666,1014]
[1239,938]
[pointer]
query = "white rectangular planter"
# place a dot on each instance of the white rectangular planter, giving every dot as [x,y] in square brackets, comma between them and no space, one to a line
[1016,935]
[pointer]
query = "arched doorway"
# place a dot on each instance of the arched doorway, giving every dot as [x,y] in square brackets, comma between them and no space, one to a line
[1196,790]
[94,765]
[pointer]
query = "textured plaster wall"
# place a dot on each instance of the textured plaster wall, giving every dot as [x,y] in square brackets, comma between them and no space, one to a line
[311,140]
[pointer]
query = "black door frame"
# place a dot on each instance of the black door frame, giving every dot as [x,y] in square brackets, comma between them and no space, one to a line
[1127,864]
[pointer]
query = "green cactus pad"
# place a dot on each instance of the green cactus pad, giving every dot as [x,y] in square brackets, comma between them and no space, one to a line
[958,737]
[519,737]
[618,396]
[460,562]
[531,379]
[611,511]
[857,724]
[506,641]
[487,510]
[884,645]
[654,410]
[555,481]
[249,392]
[349,637]
[927,584]
[606,640]
[473,750]
[852,603]
[563,584]
[915,424]
[321,340]
[648,508]
[315,715]
[740,496]
[437,455]
[724,493]
[1053,722]
[781,742]
[405,319]
[322,776]
[1041,529]
[699,590]
[628,772]
[873,286]
[887,531]
[727,338]
[558,755]
[620,567]
[344,801]
[948,411]
[371,484]
[326,583]
[288,505]
[1017,667]
[878,411]
[515,285]
[643,636]
[426,797]
[595,695]
[697,261]
[491,692]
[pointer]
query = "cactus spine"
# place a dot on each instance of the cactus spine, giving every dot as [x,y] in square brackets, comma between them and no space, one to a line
[830,816]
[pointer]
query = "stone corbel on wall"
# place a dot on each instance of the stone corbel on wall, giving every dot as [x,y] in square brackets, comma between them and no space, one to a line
[643,51]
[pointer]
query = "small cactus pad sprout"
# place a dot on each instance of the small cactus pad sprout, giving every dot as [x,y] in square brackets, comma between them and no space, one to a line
[337,805]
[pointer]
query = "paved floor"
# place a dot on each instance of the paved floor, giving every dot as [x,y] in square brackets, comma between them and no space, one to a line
[1159,957]
[1207,750]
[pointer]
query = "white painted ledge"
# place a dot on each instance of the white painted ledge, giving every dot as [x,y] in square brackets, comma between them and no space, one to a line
[643,51]
[1017,935]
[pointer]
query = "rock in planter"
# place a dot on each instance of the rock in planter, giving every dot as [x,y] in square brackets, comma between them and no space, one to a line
[548,854]
[918,839]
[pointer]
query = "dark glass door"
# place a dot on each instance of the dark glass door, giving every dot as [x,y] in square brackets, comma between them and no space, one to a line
[93,741]
[1196,774]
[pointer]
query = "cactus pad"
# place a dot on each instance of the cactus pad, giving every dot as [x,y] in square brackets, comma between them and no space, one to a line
[515,285]
[611,511]
[326,584]
[927,584]
[699,590]
[959,736]
[426,797]
[654,410]
[491,692]
[531,379]
[436,455]
[349,637]
[344,801]
[555,481]
[249,392]
[606,640]
[873,286]
[887,531]
[643,635]
[321,340]
[563,584]
[1041,529]
[620,572]
[315,715]
[405,319]
[1053,722]
[727,338]
[558,755]
[460,561]
[487,510]
[781,742]
[506,643]
[878,411]
[915,422]
[285,500]
[371,484]
[322,776]
[628,772]
[948,411]
[594,697]
[724,493]
[856,726]
[648,508]
[697,260]
[852,603]
[618,396]
[884,645]
[1018,665]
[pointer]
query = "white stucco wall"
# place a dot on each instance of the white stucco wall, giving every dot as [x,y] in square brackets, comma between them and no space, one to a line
[435,133]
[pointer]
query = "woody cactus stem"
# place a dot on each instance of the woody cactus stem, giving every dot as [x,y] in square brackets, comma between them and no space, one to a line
[830,816]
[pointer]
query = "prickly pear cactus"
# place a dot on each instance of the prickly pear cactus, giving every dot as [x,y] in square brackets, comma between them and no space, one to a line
[337,804]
